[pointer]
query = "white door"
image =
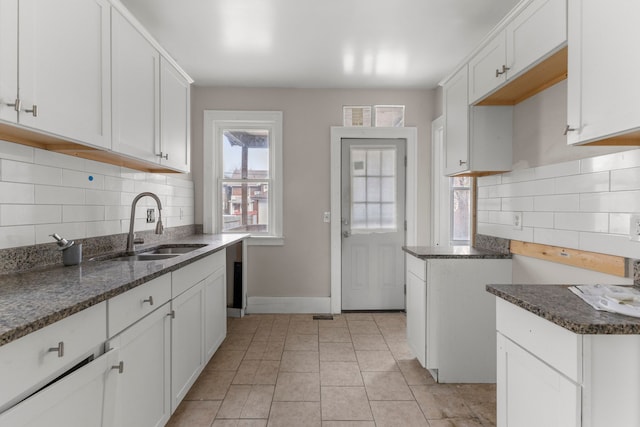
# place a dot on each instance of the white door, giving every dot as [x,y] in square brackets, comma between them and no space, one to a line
[373,224]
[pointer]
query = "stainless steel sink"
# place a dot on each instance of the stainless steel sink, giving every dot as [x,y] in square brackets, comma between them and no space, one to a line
[144,257]
[175,249]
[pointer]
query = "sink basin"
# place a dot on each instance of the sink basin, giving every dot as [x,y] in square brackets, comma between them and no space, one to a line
[144,257]
[175,249]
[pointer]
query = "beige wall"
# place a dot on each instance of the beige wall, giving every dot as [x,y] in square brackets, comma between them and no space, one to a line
[538,127]
[301,268]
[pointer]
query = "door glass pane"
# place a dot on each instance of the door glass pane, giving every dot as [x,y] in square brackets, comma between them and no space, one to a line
[245,206]
[245,153]
[373,189]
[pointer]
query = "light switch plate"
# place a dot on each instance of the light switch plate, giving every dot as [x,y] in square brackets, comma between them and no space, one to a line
[517,221]
[326,217]
[634,228]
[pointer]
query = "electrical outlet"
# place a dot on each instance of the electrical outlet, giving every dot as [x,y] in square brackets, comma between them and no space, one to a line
[517,221]
[181,213]
[151,215]
[634,228]
[326,217]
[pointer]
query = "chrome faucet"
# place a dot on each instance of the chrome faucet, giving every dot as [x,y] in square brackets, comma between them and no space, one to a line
[159,227]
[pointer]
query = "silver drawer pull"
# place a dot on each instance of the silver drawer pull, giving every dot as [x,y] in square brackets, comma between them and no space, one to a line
[172,314]
[33,110]
[17,105]
[569,129]
[163,155]
[462,163]
[59,349]
[119,367]
[149,300]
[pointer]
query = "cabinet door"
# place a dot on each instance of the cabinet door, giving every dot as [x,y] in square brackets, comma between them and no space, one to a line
[603,85]
[175,121]
[416,315]
[532,394]
[75,401]
[64,68]
[537,31]
[187,342]
[9,55]
[456,130]
[215,313]
[135,79]
[143,394]
[486,68]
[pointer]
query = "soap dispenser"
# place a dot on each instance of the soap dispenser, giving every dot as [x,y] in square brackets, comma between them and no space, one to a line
[71,253]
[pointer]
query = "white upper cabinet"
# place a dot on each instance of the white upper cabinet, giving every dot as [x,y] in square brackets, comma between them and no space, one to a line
[603,88]
[175,100]
[62,62]
[477,140]
[9,63]
[530,36]
[136,75]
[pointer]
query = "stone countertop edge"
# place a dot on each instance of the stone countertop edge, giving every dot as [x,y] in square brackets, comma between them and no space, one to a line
[453,252]
[557,304]
[31,300]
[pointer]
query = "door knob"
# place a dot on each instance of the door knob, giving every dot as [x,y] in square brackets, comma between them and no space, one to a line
[346,234]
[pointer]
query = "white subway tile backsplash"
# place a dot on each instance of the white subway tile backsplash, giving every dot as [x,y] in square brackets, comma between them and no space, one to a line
[557,170]
[116,212]
[621,160]
[564,238]
[613,244]
[12,171]
[625,179]
[20,153]
[562,203]
[517,204]
[82,213]
[184,182]
[100,197]
[118,184]
[81,179]
[11,192]
[98,168]
[585,183]
[537,219]
[17,236]
[619,223]
[103,228]
[619,201]
[587,206]
[29,214]
[50,158]
[595,222]
[49,195]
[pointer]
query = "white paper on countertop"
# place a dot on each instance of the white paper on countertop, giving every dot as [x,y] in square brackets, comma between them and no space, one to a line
[611,298]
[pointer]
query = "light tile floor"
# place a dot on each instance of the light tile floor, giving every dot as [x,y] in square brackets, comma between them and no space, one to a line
[356,370]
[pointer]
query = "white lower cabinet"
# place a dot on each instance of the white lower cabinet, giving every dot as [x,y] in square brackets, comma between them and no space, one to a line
[75,400]
[215,313]
[142,394]
[450,316]
[549,376]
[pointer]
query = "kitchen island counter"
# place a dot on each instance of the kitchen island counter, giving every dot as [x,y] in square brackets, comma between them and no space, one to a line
[447,252]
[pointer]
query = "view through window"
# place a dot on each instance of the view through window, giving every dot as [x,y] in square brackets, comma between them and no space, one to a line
[460,210]
[246,180]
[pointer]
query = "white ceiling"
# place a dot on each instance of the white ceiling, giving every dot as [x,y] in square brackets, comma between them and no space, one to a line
[319,43]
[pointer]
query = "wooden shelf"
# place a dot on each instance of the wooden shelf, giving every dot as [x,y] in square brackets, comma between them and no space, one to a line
[542,76]
[56,144]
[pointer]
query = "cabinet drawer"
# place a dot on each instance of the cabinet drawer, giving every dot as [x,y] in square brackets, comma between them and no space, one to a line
[193,273]
[29,362]
[131,306]
[556,346]
[417,267]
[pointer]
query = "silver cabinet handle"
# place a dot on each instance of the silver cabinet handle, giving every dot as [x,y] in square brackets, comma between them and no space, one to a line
[119,367]
[17,105]
[569,129]
[149,300]
[163,155]
[172,314]
[59,349]
[33,110]
[504,70]
[462,162]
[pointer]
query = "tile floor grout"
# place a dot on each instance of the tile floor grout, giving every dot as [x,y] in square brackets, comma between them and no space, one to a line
[355,370]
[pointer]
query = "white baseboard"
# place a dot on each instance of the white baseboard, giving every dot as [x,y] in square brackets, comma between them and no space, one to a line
[288,305]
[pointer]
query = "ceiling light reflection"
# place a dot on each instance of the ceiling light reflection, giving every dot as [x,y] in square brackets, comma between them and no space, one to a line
[246,25]
[381,63]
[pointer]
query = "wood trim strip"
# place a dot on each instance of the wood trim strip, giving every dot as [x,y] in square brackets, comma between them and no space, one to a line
[609,264]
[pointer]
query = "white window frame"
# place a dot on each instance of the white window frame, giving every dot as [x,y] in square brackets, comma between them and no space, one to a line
[215,121]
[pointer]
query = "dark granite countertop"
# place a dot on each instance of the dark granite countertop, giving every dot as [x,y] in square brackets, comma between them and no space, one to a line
[34,299]
[444,252]
[559,305]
